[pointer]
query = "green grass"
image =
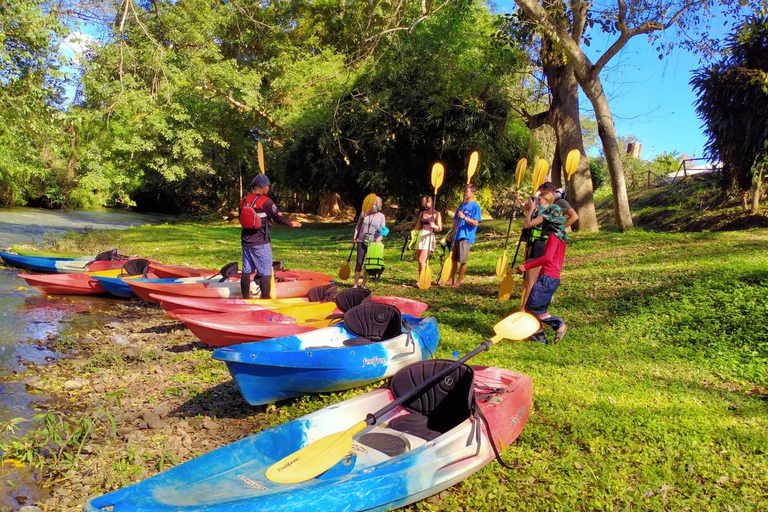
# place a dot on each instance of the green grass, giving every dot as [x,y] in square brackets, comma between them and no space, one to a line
[656,399]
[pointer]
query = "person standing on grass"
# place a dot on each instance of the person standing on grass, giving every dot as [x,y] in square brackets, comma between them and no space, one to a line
[369,229]
[256,243]
[466,220]
[552,220]
[428,222]
[536,238]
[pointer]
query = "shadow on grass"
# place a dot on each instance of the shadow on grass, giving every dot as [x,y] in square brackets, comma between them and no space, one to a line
[221,401]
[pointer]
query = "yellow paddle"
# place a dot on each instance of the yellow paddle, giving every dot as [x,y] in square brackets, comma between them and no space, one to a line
[539,173]
[449,265]
[319,456]
[438,174]
[260,157]
[368,203]
[572,163]
[309,312]
[501,264]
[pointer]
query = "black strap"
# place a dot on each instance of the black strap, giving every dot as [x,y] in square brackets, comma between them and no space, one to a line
[476,408]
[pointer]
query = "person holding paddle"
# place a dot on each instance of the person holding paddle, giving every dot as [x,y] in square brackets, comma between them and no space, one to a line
[369,229]
[552,220]
[256,241]
[428,222]
[467,217]
[536,237]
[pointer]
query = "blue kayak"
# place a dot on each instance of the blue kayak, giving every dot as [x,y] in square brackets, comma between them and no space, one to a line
[118,286]
[332,358]
[390,464]
[45,264]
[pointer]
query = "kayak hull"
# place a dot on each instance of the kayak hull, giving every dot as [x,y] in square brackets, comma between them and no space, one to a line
[191,305]
[318,361]
[223,290]
[232,478]
[176,271]
[59,265]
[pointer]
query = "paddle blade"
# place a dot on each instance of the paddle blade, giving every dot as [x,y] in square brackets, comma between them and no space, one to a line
[505,288]
[474,161]
[447,270]
[501,265]
[517,326]
[368,203]
[539,173]
[438,175]
[260,154]
[572,163]
[344,271]
[425,278]
[315,458]
[308,312]
[522,165]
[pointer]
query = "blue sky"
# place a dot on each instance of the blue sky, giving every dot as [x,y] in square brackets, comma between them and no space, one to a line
[650,98]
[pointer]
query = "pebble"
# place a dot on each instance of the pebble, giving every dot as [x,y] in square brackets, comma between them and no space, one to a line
[120,339]
[75,384]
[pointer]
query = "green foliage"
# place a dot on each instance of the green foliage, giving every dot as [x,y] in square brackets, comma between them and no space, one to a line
[598,169]
[733,102]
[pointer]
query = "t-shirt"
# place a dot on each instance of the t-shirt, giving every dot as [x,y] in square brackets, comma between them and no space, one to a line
[551,262]
[371,224]
[464,230]
[261,236]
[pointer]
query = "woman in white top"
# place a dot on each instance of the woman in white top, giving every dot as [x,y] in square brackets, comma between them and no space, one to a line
[428,221]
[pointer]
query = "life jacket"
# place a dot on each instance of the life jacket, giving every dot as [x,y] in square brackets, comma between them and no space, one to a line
[252,214]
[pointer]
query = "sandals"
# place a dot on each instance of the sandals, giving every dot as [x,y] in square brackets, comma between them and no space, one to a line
[561,334]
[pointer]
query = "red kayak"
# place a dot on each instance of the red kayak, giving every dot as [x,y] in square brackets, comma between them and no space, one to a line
[176,271]
[175,305]
[223,329]
[82,283]
[295,283]
[66,284]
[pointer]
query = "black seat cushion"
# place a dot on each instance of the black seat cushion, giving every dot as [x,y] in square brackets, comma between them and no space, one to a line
[137,267]
[439,407]
[356,342]
[351,297]
[325,293]
[374,321]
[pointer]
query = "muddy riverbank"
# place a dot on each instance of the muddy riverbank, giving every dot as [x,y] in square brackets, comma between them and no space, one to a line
[134,396]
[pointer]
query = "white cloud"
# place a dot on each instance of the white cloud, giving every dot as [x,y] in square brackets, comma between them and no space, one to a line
[77,43]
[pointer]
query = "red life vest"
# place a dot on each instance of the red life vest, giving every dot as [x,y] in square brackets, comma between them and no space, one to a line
[249,213]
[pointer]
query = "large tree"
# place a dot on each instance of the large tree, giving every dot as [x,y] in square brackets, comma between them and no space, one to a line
[733,102]
[566,23]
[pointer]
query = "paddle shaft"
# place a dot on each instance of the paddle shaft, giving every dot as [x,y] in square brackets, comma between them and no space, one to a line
[372,418]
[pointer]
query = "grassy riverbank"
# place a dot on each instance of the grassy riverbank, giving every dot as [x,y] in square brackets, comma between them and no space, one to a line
[656,399]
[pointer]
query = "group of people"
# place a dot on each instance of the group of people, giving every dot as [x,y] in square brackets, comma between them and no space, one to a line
[547,218]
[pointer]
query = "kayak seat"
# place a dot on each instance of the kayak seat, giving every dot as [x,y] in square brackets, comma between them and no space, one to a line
[137,267]
[374,321]
[227,271]
[351,297]
[439,407]
[325,293]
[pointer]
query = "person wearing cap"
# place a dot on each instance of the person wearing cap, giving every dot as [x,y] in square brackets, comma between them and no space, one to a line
[370,228]
[256,243]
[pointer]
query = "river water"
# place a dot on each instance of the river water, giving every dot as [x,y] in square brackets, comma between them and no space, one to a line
[34,328]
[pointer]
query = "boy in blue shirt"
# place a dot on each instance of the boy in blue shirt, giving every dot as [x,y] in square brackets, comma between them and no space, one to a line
[466,219]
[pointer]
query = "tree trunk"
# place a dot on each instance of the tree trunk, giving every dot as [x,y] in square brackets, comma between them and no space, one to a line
[329,205]
[565,120]
[593,88]
[756,192]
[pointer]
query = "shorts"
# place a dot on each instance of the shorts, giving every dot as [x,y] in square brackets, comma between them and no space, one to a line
[541,294]
[460,251]
[258,259]
[536,249]
[426,241]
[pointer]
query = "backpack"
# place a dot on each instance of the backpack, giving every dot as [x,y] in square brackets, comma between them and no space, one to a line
[249,217]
